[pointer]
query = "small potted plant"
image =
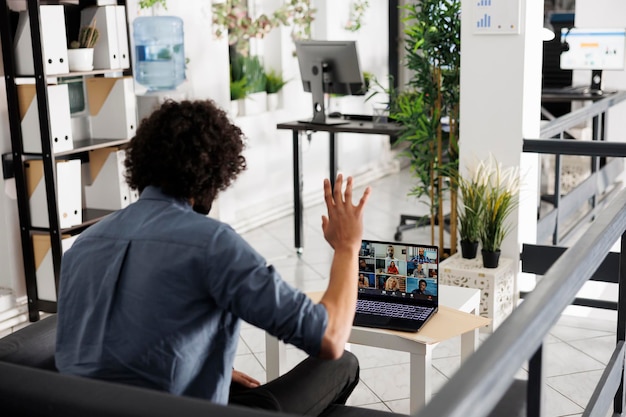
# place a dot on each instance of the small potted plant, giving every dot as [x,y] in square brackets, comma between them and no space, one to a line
[238,92]
[80,54]
[499,200]
[256,80]
[470,212]
[274,83]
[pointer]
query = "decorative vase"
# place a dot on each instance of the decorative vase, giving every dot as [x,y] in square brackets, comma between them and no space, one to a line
[80,59]
[469,249]
[490,259]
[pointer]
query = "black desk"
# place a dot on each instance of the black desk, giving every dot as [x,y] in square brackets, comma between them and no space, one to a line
[351,126]
[554,96]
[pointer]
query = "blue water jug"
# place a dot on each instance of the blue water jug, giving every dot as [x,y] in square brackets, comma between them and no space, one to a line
[159,52]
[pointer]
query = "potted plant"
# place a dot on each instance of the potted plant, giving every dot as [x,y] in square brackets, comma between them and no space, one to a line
[499,200]
[429,114]
[238,85]
[274,83]
[470,212]
[256,80]
[80,53]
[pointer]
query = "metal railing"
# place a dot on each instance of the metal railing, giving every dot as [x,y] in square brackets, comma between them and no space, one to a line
[563,220]
[481,382]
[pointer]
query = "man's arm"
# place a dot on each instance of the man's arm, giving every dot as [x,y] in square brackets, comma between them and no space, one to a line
[343,229]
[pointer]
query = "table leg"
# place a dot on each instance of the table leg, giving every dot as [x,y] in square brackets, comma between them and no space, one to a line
[420,382]
[469,340]
[274,357]
[297,191]
[332,163]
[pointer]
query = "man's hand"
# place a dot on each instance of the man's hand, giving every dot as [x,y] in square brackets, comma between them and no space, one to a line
[343,227]
[245,380]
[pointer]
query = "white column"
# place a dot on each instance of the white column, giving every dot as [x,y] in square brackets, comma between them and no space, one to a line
[500,104]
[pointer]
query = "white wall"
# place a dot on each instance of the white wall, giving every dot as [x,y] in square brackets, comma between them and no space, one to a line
[264,191]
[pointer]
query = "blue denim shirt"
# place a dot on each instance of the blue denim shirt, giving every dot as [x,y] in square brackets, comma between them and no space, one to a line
[152,296]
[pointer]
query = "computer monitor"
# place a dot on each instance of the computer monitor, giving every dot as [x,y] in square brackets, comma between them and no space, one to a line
[330,67]
[593,49]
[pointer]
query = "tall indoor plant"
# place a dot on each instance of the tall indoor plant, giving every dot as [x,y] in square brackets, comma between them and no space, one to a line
[432,43]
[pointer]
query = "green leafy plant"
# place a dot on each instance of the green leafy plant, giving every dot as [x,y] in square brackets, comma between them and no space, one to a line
[499,200]
[357,11]
[472,191]
[254,74]
[87,37]
[432,43]
[373,87]
[274,82]
[238,82]
[232,18]
[238,89]
[146,4]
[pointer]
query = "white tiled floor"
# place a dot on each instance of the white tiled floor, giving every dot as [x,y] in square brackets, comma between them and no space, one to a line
[575,351]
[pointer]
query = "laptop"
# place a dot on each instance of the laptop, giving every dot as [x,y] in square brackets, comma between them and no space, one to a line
[398,285]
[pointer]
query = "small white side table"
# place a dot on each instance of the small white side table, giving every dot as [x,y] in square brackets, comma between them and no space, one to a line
[451,320]
[497,285]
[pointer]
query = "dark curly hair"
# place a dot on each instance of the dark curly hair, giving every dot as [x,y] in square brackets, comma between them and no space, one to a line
[189,149]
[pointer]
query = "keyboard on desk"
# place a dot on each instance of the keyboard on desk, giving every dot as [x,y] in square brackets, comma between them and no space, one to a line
[402,311]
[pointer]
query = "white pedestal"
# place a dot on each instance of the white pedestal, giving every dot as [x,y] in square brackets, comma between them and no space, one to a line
[497,285]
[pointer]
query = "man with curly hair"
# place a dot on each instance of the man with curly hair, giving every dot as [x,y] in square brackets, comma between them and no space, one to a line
[146,298]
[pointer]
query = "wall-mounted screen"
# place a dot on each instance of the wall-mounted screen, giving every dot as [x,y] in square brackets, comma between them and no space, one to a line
[593,49]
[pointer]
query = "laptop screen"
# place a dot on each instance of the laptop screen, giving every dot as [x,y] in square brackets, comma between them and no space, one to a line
[402,271]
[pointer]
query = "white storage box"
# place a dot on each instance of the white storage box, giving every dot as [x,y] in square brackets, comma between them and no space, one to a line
[53,42]
[68,174]
[60,118]
[112,107]
[111,50]
[108,189]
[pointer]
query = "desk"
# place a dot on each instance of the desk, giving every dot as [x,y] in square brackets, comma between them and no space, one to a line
[351,126]
[450,321]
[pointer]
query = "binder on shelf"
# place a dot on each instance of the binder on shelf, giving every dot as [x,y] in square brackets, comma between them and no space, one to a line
[108,189]
[68,193]
[42,247]
[53,42]
[111,50]
[122,36]
[112,107]
[60,118]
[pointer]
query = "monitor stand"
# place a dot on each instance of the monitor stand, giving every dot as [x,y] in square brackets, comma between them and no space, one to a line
[319,73]
[595,88]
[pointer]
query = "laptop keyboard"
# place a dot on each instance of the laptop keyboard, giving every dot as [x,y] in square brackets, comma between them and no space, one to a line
[402,311]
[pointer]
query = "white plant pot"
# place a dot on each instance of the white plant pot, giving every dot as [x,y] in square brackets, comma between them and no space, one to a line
[255,103]
[234,108]
[80,59]
[273,101]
